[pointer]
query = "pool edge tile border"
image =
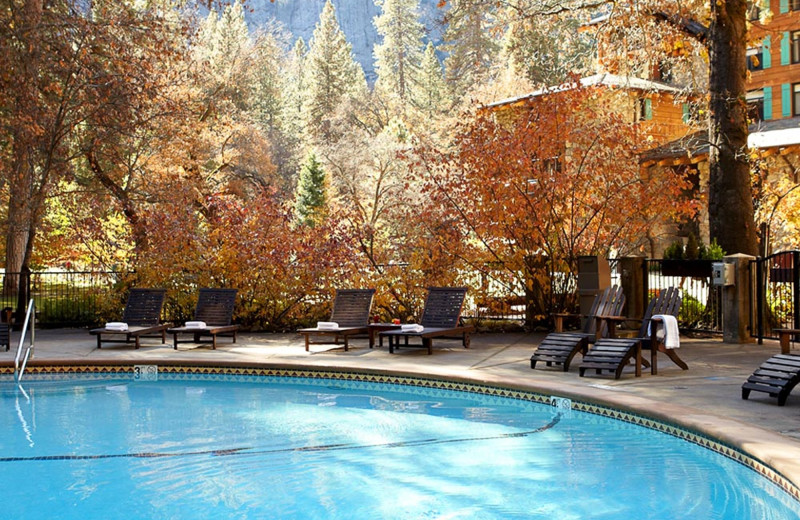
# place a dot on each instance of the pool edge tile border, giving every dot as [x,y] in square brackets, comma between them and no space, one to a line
[172,371]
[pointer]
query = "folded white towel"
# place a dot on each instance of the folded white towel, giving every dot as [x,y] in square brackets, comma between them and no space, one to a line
[412,328]
[327,325]
[196,324]
[669,332]
[116,325]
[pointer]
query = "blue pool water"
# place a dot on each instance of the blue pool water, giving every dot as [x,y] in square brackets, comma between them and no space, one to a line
[259,448]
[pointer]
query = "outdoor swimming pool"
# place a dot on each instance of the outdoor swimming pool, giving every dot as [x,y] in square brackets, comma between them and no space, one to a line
[109,446]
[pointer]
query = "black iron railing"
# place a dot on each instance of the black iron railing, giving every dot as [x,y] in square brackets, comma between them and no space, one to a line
[63,298]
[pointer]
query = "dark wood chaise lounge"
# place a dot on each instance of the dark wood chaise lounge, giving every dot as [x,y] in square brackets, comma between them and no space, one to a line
[613,354]
[5,335]
[778,375]
[142,315]
[351,308]
[559,348]
[440,319]
[215,309]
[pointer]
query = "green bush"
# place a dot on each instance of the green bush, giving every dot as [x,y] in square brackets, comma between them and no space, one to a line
[674,252]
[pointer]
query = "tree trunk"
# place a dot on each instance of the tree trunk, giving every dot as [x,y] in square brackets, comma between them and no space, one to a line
[730,202]
[21,180]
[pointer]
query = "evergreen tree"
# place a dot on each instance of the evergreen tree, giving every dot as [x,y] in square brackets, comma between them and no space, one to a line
[310,202]
[546,50]
[398,56]
[430,94]
[332,74]
[223,40]
[469,42]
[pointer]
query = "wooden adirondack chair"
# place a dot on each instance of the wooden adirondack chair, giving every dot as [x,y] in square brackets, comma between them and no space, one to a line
[559,348]
[612,354]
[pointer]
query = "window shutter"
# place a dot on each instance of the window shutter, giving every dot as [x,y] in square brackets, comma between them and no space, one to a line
[786,55]
[767,103]
[786,100]
[784,6]
[766,53]
[648,109]
[686,116]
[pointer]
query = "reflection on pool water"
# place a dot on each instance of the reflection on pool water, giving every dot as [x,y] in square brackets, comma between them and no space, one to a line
[261,447]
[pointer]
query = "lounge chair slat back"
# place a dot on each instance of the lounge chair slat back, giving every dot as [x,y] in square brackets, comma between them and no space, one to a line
[351,307]
[144,307]
[608,303]
[443,307]
[668,302]
[215,306]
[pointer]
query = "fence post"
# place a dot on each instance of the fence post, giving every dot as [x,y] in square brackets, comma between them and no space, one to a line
[736,303]
[796,288]
[760,282]
[632,275]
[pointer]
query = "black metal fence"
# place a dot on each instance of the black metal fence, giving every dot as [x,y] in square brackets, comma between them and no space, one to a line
[80,298]
[63,298]
[775,294]
[701,306]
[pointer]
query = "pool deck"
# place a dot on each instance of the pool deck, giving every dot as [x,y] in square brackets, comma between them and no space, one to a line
[706,398]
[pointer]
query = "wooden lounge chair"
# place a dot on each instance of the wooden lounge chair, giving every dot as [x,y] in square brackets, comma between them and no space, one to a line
[777,377]
[667,302]
[215,309]
[5,335]
[440,318]
[142,315]
[559,348]
[351,308]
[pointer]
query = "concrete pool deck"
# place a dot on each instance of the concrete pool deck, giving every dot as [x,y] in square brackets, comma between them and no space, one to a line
[706,398]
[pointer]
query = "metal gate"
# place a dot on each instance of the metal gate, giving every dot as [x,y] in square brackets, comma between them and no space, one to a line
[774,294]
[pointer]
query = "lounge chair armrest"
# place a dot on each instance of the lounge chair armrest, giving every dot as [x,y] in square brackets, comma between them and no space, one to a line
[558,319]
[612,322]
[785,337]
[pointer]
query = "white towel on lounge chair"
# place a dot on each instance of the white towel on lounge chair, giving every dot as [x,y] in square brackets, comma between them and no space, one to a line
[195,324]
[412,328]
[327,325]
[117,326]
[669,332]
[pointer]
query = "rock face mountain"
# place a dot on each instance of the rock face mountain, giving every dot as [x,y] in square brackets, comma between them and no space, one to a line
[299,17]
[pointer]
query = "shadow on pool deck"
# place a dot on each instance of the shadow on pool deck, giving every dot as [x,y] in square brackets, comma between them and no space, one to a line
[707,397]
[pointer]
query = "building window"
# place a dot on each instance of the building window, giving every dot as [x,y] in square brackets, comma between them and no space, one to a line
[753,10]
[796,99]
[795,46]
[795,5]
[754,58]
[755,106]
[644,109]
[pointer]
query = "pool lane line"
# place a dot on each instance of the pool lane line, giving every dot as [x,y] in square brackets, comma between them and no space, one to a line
[250,451]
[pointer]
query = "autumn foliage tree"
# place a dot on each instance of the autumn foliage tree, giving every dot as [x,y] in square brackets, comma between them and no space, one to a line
[534,188]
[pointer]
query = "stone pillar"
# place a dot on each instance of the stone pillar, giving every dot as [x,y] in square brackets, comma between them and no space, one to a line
[631,273]
[736,301]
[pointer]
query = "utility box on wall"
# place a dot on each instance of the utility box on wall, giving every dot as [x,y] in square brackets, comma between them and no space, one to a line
[594,275]
[723,274]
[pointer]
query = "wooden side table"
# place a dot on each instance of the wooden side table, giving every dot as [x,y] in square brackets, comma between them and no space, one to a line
[376,328]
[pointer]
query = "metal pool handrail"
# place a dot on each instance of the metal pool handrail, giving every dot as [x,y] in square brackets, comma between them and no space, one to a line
[30,318]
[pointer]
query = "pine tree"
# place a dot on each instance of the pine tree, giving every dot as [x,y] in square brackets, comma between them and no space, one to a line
[546,50]
[398,56]
[332,74]
[430,94]
[310,202]
[223,40]
[469,42]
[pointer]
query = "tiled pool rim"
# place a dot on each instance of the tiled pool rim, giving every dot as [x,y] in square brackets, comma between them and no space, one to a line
[640,417]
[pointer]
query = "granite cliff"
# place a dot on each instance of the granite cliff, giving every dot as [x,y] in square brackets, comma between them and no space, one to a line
[299,17]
